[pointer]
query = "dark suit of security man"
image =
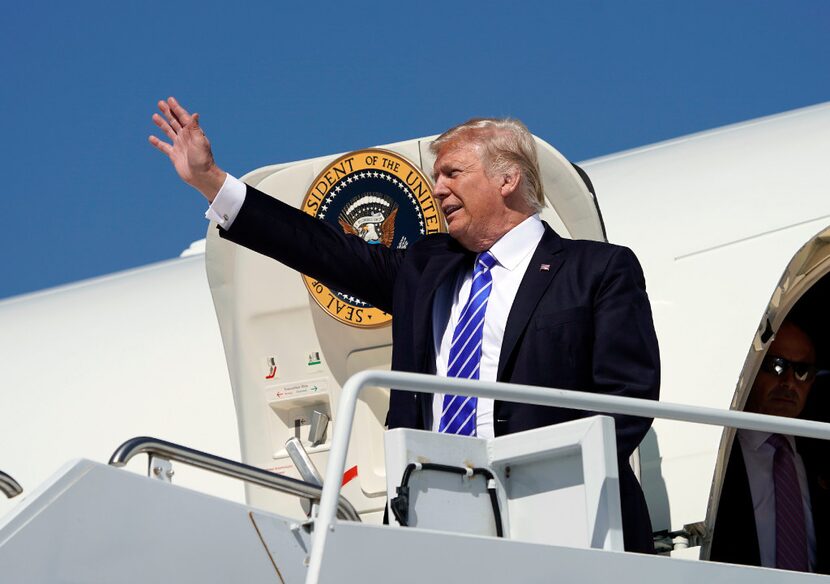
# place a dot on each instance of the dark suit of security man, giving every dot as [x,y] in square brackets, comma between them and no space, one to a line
[581,322]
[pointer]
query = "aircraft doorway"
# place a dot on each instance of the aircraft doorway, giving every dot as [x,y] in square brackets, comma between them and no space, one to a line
[794,332]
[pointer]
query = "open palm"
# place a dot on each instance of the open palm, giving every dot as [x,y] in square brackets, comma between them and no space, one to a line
[188,149]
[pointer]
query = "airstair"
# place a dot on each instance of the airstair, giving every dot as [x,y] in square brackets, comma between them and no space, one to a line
[556,497]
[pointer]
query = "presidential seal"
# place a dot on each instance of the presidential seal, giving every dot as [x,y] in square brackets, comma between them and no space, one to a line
[384,199]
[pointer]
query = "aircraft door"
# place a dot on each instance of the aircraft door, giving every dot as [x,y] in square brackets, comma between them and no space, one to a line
[291,343]
[797,315]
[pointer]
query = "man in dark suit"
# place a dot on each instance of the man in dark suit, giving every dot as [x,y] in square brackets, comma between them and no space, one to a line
[561,313]
[760,520]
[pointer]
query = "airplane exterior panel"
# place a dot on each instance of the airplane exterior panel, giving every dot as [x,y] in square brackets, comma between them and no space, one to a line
[715,219]
[92,364]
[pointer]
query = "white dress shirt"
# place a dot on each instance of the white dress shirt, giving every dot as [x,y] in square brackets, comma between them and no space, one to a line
[227,203]
[512,252]
[758,459]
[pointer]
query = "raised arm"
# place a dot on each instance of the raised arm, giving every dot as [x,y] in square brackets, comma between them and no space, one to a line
[188,149]
[270,227]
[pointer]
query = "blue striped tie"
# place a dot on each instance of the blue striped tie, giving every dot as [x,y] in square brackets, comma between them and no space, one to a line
[459,412]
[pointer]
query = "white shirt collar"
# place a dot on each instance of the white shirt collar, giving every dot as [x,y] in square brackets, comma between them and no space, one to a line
[754,439]
[516,244]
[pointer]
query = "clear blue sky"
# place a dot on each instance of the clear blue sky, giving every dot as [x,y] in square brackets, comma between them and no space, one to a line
[85,194]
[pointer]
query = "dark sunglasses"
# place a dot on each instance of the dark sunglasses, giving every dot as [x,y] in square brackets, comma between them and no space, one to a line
[778,366]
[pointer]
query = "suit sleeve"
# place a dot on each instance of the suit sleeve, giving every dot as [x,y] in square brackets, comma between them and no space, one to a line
[626,359]
[315,248]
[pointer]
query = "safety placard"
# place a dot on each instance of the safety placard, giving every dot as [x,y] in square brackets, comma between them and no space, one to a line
[296,389]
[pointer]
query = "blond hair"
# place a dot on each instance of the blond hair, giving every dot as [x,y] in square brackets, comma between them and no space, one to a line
[504,143]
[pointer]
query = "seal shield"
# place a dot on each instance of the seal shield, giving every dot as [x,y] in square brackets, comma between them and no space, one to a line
[384,199]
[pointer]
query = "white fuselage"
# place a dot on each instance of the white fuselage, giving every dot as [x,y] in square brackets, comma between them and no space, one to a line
[715,218]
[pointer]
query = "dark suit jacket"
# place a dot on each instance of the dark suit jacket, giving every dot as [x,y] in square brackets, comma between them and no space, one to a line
[584,324]
[735,537]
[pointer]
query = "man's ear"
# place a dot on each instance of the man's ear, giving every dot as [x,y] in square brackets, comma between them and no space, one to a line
[510,181]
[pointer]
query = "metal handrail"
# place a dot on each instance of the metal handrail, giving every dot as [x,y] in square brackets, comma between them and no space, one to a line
[544,396]
[9,486]
[229,468]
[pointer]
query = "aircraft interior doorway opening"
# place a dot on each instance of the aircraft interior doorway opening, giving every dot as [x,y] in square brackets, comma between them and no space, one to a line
[799,299]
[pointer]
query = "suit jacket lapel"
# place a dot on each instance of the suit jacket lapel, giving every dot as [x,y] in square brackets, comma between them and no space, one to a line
[442,265]
[535,282]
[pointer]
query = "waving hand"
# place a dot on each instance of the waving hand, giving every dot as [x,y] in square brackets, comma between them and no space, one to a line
[188,149]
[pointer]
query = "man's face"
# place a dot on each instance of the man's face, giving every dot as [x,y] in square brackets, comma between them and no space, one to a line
[472,201]
[785,394]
